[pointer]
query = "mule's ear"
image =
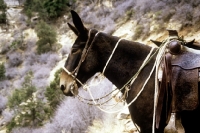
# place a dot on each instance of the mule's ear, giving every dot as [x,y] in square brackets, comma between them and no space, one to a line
[156,42]
[190,43]
[73,28]
[78,22]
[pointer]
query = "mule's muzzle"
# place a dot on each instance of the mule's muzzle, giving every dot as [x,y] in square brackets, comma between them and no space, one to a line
[69,89]
[66,93]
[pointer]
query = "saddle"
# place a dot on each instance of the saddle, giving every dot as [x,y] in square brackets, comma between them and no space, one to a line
[178,82]
[185,77]
[178,88]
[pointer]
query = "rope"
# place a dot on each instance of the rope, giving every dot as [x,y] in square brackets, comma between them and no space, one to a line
[160,51]
[144,63]
[85,87]
[69,73]
[135,76]
[148,58]
[159,57]
[111,55]
[142,66]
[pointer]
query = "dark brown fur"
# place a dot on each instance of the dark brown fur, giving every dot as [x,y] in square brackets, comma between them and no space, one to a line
[125,62]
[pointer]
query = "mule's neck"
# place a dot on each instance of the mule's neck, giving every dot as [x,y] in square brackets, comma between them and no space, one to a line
[125,62]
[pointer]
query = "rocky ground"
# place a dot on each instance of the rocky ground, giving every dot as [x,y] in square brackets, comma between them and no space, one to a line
[123,29]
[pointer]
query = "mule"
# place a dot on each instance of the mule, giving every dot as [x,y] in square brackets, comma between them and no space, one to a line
[119,60]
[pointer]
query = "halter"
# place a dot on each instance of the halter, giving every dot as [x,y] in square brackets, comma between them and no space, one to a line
[74,73]
[83,56]
[161,50]
[129,83]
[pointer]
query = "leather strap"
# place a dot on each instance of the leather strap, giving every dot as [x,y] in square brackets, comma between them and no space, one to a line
[164,94]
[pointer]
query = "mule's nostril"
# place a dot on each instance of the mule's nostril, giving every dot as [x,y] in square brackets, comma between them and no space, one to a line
[62,87]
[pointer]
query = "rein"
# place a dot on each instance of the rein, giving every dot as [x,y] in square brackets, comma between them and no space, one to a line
[161,52]
[75,72]
[111,55]
[85,87]
[129,83]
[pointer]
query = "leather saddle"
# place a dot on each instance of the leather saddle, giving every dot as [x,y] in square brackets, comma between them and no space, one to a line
[184,79]
[178,88]
[178,85]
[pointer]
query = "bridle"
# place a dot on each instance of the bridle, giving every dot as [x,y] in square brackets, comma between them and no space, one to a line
[126,86]
[156,65]
[83,57]
[74,73]
[160,54]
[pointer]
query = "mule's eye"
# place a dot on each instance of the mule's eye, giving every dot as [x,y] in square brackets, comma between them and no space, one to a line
[82,44]
[74,50]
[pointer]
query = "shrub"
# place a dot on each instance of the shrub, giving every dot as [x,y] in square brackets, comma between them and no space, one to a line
[55,8]
[15,59]
[31,6]
[29,109]
[138,32]
[29,13]
[3,18]
[16,44]
[3,5]
[2,71]
[47,37]
[20,95]
[53,92]
[129,14]
[3,8]
[47,9]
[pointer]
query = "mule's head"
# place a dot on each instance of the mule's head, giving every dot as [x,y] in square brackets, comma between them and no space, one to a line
[67,80]
[74,68]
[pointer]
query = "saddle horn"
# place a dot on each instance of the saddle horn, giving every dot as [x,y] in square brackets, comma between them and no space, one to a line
[172,33]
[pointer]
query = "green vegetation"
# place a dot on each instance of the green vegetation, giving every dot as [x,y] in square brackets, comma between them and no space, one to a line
[47,37]
[55,8]
[3,8]
[138,32]
[53,92]
[29,109]
[22,94]
[47,9]
[16,44]
[129,14]
[2,71]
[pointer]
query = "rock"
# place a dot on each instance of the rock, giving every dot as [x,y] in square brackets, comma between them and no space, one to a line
[3,131]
